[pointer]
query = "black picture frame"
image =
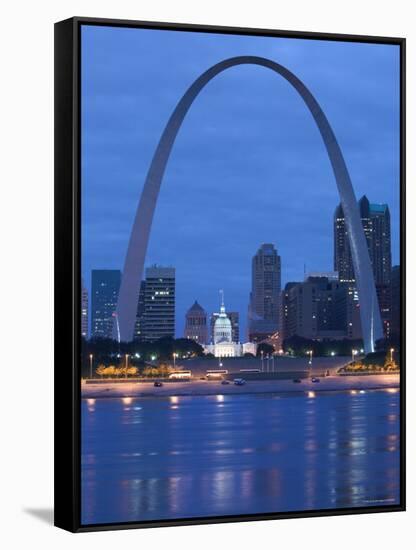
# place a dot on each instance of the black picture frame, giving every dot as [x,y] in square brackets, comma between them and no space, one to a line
[68,278]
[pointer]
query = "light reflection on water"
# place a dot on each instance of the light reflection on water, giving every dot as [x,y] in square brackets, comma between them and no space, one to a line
[180,457]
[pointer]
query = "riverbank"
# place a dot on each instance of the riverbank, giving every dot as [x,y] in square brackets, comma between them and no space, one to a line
[204,387]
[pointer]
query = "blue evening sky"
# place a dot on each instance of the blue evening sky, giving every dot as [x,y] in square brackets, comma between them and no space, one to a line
[248,166]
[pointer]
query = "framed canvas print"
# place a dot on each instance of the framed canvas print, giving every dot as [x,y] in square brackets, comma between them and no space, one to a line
[229,297]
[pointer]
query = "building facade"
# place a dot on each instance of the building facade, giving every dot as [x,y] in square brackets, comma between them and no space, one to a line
[84,310]
[375,219]
[139,326]
[105,284]
[315,309]
[264,303]
[196,327]
[156,306]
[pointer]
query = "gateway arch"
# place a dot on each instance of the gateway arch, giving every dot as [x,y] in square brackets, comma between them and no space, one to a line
[137,247]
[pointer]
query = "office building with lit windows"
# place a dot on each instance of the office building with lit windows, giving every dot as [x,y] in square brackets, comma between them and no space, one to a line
[375,219]
[196,327]
[316,309]
[84,310]
[105,284]
[264,303]
[156,309]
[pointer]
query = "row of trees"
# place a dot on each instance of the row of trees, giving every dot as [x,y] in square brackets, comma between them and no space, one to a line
[162,348]
[296,345]
[118,372]
[111,371]
[106,351]
[379,361]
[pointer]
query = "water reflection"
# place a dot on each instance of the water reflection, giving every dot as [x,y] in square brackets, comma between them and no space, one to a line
[201,456]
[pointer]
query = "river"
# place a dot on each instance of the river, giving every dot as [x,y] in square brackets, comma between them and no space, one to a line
[186,457]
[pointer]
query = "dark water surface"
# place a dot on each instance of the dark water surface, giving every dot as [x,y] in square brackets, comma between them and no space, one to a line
[179,457]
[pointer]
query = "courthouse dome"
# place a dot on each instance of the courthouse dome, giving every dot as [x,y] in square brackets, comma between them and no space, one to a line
[223,331]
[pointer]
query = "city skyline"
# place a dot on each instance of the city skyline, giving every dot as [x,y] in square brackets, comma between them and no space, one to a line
[266,249]
[217,248]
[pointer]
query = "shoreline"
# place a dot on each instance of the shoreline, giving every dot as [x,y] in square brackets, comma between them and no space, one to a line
[209,388]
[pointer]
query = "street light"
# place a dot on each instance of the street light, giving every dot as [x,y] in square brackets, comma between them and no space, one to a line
[391,354]
[353,353]
[310,353]
[127,363]
[175,355]
[91,357]
[262,363]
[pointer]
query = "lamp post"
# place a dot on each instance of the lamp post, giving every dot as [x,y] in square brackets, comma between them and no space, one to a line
[127,363]
[391,354]
[310,353]
[262,362]
[353,354]
[174,360]
[91,357]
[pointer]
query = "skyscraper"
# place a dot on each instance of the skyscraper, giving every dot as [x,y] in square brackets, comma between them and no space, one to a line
[375,219]
[315,309]
[139,326]
[264,306]
[84,310]
[158,318]
[105,284]
[196,324]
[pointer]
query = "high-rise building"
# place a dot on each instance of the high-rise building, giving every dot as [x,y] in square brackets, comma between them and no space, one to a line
[234,318]
[196,324]
[84,310]
[395,301]
[315,309]
[139,326]
[264,306]
[375,219]
[158,304]
[105,284]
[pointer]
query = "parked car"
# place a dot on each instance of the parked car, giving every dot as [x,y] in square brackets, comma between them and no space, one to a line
[297,380]
[158,384]
[314,379]
[225,382]
[239,381]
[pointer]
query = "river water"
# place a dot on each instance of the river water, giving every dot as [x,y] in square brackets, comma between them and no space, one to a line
[186,457]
